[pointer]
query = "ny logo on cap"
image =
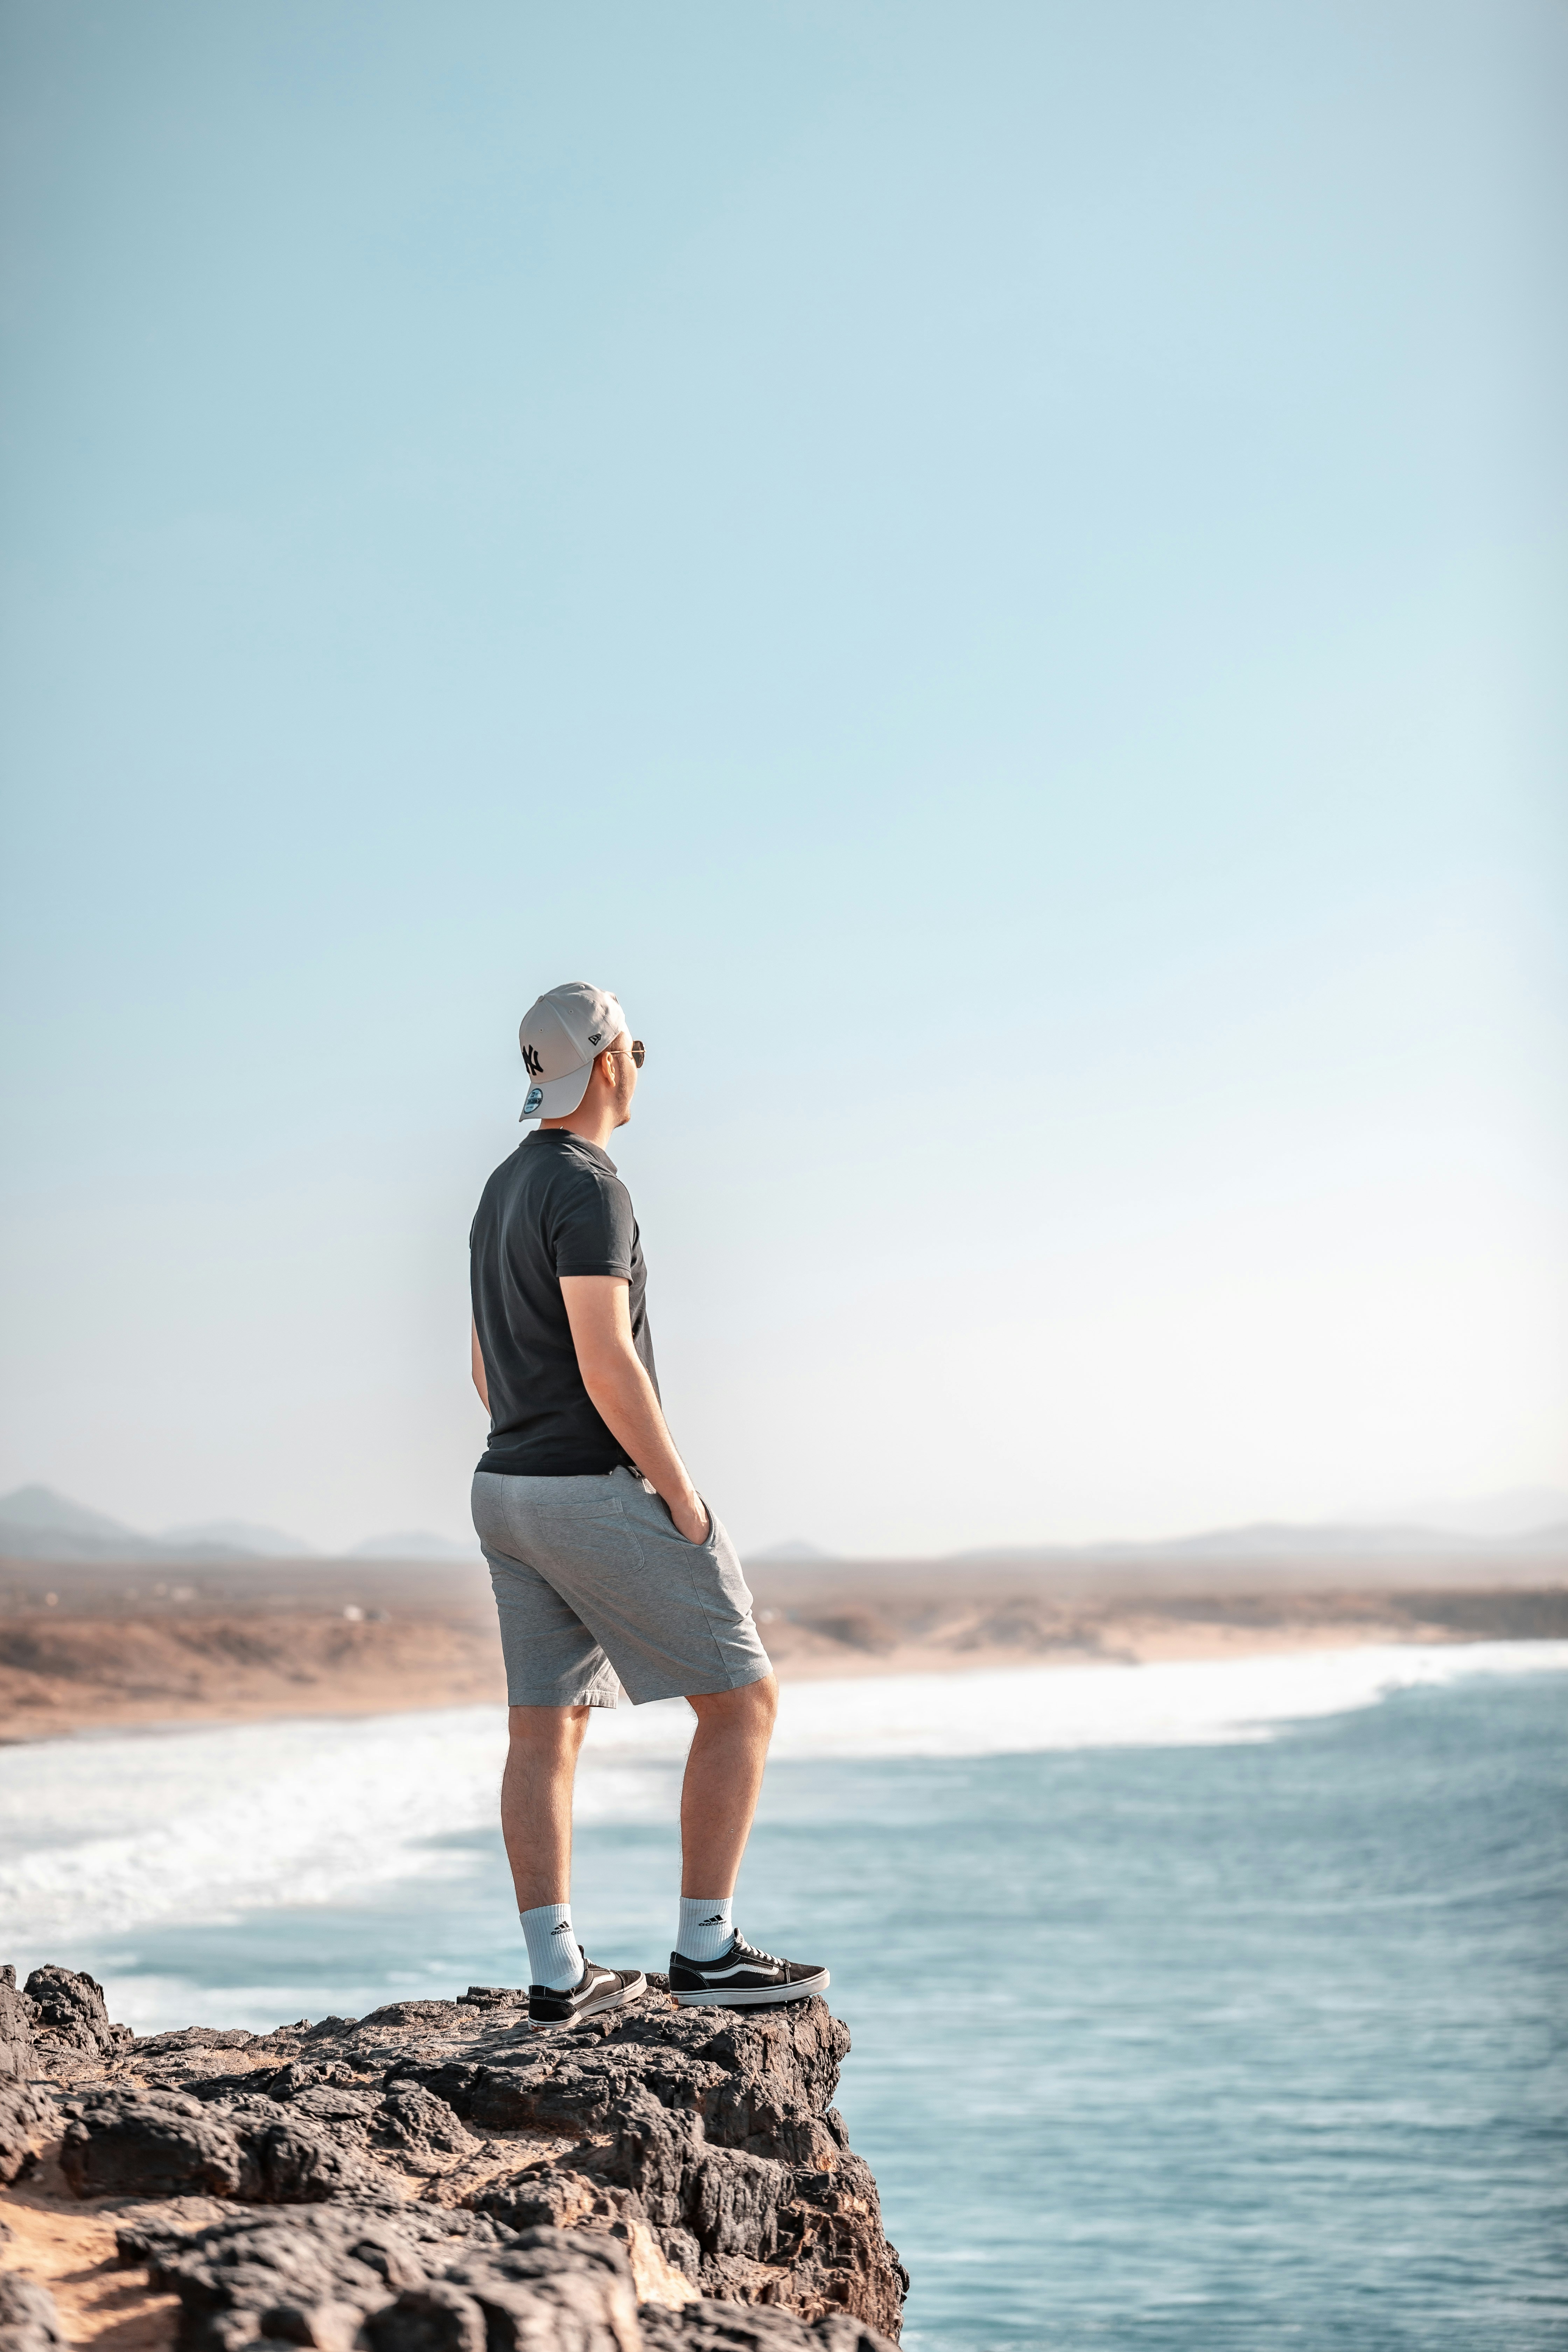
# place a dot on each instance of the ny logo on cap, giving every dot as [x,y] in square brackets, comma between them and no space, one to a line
[532,1061]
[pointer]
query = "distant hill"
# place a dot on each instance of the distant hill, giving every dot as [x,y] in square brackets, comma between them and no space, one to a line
[1525,1511]
[38,1524]
[52,1514]
[242,1535]
[1286,1539]
[417,1543]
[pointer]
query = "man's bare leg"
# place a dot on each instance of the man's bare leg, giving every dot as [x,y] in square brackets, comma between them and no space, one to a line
[712,1963]
[536,1800]
[718,1799]
[536,1822]
[723,1782]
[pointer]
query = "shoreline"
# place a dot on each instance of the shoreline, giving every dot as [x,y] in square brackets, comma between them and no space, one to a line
[87,1650]
[373,1696]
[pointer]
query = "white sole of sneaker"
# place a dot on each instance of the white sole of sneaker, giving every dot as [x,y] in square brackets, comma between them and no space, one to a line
[634,1991]
[802,1990]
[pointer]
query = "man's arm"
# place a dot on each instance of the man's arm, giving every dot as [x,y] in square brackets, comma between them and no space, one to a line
[478,1363]
[599,1308]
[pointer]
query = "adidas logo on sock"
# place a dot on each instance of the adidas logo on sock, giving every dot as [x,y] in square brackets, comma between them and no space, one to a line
[718,1920]
[562,1928]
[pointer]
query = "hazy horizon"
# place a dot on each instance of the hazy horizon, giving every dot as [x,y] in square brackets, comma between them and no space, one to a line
[993,572]
[1499,1519]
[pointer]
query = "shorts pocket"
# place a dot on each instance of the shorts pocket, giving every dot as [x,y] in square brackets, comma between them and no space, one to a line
[713,1564]
[727,1561]
[657,1511]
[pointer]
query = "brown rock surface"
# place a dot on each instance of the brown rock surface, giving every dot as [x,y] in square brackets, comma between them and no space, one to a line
[442,2176]
[29,2315]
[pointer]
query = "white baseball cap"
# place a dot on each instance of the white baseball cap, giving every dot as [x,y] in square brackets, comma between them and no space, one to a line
[561,1035]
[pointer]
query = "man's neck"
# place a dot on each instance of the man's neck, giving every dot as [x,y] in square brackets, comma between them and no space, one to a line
[592,1126]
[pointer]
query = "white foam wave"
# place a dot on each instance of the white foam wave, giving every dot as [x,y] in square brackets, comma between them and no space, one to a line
[1176,1703]
[101,1835]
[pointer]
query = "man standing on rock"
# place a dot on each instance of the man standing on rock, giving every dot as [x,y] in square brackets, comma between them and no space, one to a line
[608,1568]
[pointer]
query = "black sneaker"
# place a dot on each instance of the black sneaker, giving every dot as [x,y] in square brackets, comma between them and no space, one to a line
[595,1990]
[742,1978]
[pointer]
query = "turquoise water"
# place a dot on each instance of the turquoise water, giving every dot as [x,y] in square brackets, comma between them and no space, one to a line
[1254,2043]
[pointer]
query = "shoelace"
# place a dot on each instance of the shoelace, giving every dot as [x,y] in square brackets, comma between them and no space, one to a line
[751,1952]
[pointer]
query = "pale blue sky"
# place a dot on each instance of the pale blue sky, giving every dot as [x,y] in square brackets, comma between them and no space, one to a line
[995,571]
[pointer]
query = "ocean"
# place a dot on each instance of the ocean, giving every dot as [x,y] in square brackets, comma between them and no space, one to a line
[1193,2006]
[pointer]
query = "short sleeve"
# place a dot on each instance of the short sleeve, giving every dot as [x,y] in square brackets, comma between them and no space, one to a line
[592,1229]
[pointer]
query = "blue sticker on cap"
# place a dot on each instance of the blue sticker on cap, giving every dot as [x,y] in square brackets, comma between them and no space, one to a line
[532,1101]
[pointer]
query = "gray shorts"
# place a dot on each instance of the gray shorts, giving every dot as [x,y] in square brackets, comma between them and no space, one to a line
[595,1582]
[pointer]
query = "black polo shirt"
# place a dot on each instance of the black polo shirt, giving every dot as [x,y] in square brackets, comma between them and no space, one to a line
[556,1207]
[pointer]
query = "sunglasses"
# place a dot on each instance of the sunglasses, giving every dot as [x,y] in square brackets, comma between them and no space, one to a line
[636,1049]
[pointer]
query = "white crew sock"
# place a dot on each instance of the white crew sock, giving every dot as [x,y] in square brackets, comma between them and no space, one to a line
[706,1930]
[554,1955]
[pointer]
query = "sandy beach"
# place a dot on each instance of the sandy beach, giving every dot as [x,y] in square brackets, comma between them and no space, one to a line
[102,1647]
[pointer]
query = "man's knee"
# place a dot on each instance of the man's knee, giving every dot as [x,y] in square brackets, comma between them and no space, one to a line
[558,1729]
[754,1705]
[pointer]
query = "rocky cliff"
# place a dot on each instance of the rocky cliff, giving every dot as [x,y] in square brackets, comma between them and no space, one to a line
[438,2176]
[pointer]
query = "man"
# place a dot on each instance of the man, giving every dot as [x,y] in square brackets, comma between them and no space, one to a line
[607,1565]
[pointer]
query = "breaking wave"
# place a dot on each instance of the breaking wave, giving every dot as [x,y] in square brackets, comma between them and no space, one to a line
[102,1834]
